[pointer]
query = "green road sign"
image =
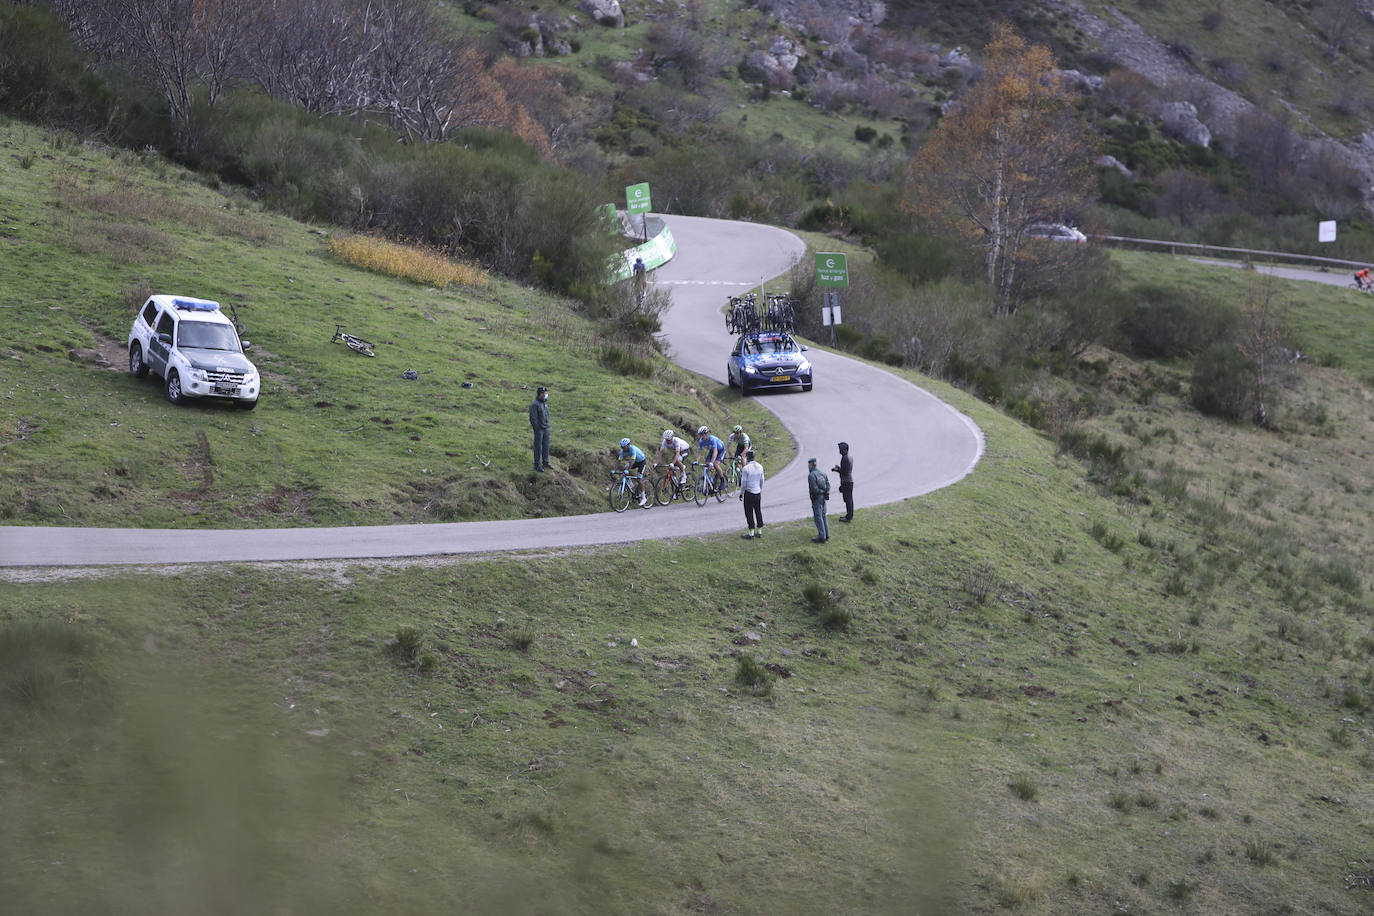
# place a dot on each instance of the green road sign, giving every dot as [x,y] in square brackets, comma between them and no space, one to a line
[831,269]
[637,198]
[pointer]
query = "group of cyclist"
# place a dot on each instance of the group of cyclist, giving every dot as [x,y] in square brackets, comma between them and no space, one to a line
[673,452]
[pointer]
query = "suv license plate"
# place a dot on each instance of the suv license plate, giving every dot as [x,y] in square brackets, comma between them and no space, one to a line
[782,378]
[221,389]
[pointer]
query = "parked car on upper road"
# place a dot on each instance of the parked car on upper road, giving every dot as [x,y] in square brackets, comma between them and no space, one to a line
[767,359]
[1055,232]
[195,349]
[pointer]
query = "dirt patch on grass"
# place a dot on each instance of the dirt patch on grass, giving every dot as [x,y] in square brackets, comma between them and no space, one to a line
[281,503]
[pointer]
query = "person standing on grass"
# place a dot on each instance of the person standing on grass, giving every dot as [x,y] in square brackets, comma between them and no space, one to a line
[818,486]
[539,422]
[846,471]
[751,492]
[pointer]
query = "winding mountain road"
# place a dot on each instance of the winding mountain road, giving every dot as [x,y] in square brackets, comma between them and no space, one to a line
[905,442]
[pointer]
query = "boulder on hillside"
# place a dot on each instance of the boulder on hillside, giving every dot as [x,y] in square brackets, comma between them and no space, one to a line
[956,59]
[1111,162]
[1084,83]
[775,72]
[605,11]
[1181,122]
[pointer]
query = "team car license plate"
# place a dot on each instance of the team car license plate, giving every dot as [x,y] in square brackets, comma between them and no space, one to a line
[225,389]
[782,378]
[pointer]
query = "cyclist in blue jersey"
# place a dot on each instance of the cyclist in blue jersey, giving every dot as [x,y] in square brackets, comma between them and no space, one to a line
[631,458]
[673,450]
[710,451]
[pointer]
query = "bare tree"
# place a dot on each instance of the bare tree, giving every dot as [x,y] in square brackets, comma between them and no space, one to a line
[1264,331]
[1334,19]
[179,45]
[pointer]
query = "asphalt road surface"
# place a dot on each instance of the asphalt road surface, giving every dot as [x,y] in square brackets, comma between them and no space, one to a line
[905,442]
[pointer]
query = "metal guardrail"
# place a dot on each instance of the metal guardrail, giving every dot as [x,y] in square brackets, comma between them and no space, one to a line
[1249,253]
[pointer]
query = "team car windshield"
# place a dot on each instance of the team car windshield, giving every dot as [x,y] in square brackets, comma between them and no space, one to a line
[769,345]
[207,335]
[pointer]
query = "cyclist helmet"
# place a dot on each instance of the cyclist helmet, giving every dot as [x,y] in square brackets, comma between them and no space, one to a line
[737,429]
[624,443]
[703,430]
[667,434]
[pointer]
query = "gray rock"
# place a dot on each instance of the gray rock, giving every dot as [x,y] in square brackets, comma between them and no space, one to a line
[1111,162]
[956,58]
[601,10]
[1083,82]
[1181,122]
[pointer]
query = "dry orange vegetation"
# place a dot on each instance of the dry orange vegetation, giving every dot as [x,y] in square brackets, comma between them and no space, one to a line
[409,262]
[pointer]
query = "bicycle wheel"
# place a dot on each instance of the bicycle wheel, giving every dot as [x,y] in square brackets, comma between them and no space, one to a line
[647,490]
[720,491]
[619,494]
[699,491]
[358,345]
[663,489]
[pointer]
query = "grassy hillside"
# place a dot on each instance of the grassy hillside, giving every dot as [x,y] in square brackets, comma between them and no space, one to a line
[338,439]
[1019,693]
[1011,694]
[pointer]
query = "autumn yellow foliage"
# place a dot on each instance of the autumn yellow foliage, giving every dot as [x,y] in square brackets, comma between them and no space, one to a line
[409,262]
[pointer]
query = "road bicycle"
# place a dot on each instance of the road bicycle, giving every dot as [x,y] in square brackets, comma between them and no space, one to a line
[626,486]
[356,344]
[707,485]
[733,466]
[668,489]
[741,317]
[780,314]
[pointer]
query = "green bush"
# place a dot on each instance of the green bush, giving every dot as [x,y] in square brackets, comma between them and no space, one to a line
[751,673]
[1165,323]
[46,671]
[621,360]
[919,258]
[1223,383]
[45,78]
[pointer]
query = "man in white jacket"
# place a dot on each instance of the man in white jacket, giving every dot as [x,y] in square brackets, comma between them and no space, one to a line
[751,492]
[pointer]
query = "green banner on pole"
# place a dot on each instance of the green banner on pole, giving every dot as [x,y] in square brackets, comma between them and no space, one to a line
[637,198]
[831,269]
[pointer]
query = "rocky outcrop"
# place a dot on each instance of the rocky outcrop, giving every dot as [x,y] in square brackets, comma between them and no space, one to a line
[604,11]
[1125,42]
[1082,82]
[1181,122]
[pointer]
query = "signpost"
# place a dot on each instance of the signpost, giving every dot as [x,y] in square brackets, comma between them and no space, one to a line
[1326,230]
[637,200]
[832,273]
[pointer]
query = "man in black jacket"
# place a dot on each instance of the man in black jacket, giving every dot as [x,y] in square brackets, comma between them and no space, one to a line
[539,422]
[846,471]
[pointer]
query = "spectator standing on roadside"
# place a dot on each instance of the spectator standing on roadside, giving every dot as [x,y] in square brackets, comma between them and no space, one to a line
[846,471]
[751,492]
[818,486]
[539,422]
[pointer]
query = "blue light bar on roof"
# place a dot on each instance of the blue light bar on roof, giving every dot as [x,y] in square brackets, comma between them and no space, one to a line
[195,305]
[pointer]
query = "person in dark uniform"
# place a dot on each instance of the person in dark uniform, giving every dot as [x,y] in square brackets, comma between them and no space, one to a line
[846,471]
[539,422]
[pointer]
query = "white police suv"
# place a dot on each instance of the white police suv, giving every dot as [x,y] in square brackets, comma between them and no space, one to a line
[195,349]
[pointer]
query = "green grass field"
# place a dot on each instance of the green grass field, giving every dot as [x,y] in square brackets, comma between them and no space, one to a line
[1019,693]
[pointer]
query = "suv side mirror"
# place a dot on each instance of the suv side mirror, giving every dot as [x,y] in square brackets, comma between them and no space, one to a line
[803,349]
[734,353]
[165,338]
[246,344]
